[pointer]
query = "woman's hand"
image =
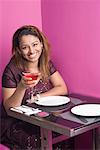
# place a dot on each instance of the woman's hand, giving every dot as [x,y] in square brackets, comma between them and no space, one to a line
[29,80]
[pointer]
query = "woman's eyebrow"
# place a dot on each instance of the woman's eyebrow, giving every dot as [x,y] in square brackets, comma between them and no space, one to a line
[24,43]
[35,41]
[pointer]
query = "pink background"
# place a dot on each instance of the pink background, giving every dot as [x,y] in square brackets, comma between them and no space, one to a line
[73,28]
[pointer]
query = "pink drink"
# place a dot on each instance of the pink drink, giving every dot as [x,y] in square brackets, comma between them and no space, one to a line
[31,75]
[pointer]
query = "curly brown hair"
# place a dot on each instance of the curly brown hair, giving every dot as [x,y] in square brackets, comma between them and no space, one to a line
[20,62]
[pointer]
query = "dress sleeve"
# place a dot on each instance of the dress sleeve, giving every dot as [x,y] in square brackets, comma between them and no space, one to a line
[52,67]
[8,79]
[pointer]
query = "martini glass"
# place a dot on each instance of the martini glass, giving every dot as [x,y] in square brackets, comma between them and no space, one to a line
[33,76]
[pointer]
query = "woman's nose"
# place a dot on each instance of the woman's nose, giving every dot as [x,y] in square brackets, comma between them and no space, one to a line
[31,49]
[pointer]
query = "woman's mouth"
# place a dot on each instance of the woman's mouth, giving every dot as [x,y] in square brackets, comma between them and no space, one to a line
[32,56]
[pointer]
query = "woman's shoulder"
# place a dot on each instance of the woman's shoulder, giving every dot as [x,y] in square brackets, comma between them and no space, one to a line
[11,67]
[11,75]
[51,63]
[52,67]
[11,70]
[10,63]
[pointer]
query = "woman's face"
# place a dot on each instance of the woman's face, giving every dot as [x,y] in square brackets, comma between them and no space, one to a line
[31,47]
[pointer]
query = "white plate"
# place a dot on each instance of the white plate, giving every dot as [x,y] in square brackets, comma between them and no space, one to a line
[53,101]
[86,110]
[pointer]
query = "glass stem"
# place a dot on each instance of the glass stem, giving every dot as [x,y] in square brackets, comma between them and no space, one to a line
[32,92]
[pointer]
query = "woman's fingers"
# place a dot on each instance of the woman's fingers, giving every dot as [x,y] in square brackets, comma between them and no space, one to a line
[29,82]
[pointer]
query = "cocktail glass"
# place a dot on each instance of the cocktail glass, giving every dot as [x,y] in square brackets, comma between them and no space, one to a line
[33,76]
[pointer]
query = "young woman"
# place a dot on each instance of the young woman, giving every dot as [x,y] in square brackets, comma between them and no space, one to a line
[30,53]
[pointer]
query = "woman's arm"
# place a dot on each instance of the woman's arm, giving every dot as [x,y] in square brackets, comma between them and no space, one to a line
[59,88]
[13,97]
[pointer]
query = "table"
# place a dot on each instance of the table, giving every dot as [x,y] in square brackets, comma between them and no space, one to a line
[54,122]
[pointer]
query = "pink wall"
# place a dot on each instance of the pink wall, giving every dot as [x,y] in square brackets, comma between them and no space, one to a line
[73,28]
[15,13]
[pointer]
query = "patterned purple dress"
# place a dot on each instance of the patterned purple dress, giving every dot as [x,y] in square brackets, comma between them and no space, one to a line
[17,134]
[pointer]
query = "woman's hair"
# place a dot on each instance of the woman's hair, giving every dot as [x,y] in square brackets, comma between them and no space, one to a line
[20,62]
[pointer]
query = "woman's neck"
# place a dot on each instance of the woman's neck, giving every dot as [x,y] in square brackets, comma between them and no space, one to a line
[32,67]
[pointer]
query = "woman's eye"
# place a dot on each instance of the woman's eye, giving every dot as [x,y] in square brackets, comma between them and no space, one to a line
[24,48]
[35,44]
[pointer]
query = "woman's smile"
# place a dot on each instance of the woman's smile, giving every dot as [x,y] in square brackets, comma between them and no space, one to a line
[32,56]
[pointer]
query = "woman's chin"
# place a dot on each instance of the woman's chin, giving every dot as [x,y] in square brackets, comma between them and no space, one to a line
[33,60]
